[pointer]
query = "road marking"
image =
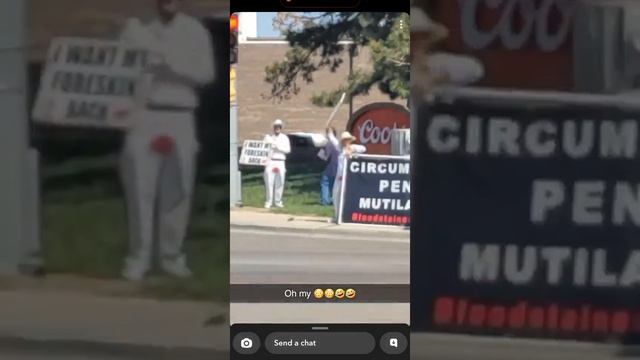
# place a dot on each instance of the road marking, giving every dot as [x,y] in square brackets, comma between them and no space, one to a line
[308,264]
[336,237]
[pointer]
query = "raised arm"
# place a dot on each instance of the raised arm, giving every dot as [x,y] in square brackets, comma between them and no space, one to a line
[196,66]
[284,145]
[332,140]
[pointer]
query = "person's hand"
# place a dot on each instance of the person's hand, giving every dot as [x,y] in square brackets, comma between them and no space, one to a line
[157,65]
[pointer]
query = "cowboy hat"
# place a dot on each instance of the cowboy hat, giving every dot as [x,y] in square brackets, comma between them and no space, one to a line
[347,136]
[420,21]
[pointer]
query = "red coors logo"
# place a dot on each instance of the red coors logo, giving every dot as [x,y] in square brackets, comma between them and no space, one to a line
[549,22]
[523,44]
[372,125]
[371,134]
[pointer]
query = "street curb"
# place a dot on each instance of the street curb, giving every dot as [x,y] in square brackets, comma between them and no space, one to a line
[81,347]
[374,233]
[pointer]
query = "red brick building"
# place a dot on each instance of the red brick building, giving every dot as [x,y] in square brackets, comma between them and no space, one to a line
[255,113]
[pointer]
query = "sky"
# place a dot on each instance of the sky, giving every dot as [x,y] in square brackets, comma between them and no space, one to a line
[265,24]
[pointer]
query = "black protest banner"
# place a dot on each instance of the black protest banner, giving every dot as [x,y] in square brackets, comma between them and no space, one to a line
[526,218]
[377,190]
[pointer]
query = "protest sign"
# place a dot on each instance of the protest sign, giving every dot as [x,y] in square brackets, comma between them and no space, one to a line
[376,190]
[90,82]
[255,152]
[526,215]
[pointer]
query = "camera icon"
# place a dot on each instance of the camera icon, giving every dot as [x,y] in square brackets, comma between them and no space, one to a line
[246,343]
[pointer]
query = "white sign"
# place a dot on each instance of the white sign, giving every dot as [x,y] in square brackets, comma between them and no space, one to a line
[255,152]
[90,82]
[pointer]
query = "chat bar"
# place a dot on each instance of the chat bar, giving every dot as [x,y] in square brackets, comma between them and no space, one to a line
[334,341]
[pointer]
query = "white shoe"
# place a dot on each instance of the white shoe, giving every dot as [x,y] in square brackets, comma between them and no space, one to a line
[133,273]
[267,206]
[177,268]
[279,205]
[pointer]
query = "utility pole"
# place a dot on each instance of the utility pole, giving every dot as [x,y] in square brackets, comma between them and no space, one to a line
[235,177]
[352,48]
[15,189]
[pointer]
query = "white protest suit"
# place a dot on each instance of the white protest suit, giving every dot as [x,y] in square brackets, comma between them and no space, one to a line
[337,185]
[159,156]
[275,170]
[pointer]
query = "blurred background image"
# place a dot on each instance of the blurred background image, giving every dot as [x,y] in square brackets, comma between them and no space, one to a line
[586,46]
[65,276]
[527,63]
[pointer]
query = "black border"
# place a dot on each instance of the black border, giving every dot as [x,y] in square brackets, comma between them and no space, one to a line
[320,5]
[377,330]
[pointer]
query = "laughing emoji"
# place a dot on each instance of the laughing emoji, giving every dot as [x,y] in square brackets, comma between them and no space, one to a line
[329,293]
[350,294]
[339,293]
[318,293]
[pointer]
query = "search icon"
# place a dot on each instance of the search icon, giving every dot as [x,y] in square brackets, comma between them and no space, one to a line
[394,343]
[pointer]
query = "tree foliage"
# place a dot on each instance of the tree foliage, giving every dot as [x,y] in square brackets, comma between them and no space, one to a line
[318,42]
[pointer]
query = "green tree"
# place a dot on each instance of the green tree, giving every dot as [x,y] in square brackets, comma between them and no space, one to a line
[314,40]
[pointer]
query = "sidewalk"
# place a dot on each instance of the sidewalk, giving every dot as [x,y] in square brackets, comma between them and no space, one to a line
[262,219]
[36,316]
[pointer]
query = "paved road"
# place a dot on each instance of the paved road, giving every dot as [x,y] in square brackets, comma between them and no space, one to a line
[31,355]
[267,257]
[43,356]
[48,351]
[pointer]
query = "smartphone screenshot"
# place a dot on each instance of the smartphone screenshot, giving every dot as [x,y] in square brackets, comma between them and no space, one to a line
[320,180]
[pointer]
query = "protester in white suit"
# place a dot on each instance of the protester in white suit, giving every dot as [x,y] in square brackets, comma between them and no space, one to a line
[275,170]
[347,149]
[159,155]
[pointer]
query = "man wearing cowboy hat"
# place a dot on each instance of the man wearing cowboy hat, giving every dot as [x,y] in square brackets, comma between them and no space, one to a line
[275,170]
[431,68]
[347,149]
